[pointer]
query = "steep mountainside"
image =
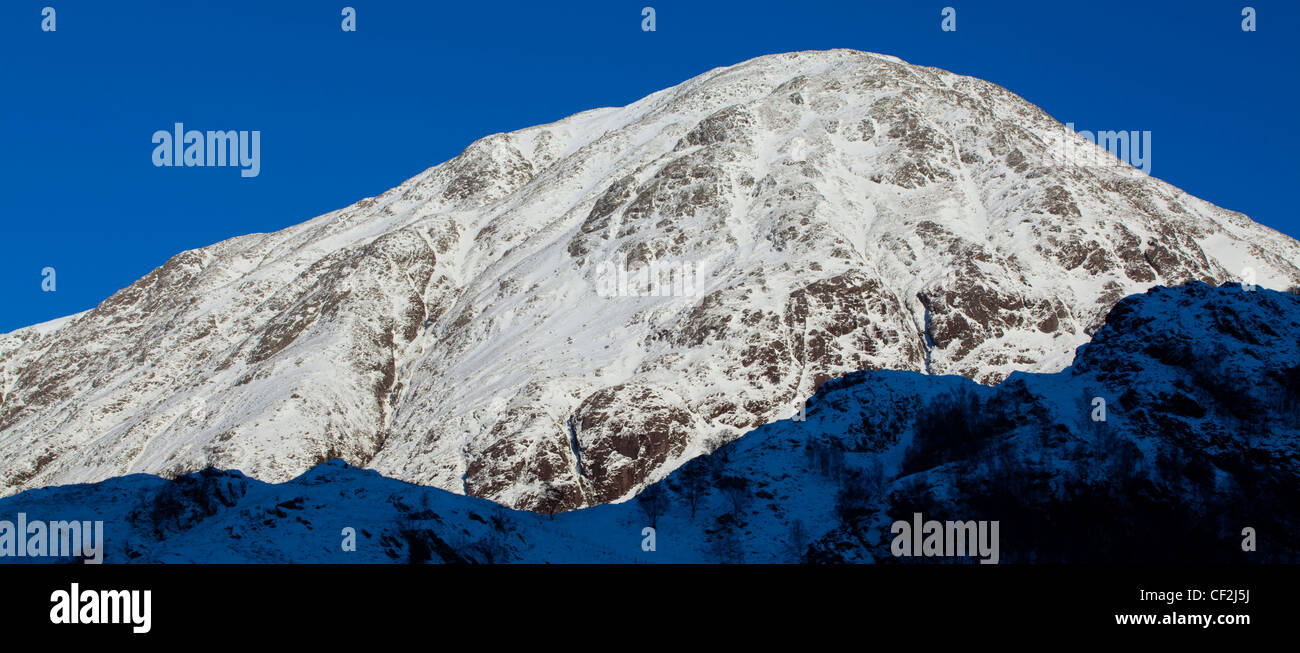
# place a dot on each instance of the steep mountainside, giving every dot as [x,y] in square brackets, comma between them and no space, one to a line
[1201,439]
[818,213]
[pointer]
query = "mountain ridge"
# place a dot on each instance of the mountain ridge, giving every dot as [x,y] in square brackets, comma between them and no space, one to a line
[852,211]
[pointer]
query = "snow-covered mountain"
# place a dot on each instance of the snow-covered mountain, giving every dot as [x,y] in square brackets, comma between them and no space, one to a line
[816,213]
[1199,441]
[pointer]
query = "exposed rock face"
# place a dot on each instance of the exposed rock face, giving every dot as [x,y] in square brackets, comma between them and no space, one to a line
[845,211]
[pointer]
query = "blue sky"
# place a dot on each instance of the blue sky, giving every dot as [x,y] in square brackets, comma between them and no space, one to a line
[344,116]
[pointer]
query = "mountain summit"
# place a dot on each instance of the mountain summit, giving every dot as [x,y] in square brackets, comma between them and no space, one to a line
[562,315]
